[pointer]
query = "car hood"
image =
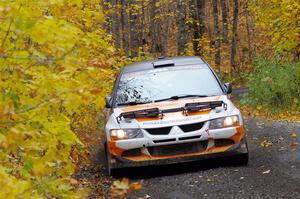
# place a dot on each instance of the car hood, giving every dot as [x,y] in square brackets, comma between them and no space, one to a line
[172,119]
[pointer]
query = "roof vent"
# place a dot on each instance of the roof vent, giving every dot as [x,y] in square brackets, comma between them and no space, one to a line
[164,63]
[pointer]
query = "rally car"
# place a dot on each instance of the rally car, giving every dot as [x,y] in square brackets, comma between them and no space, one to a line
[171,110]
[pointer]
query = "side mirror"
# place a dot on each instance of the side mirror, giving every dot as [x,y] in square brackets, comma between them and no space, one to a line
[228,88]
[108,102]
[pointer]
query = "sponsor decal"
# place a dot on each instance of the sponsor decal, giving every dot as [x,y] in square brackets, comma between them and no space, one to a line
[158,122]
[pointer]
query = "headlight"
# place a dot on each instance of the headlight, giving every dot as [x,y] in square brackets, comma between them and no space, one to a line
[122,134]
[224,122]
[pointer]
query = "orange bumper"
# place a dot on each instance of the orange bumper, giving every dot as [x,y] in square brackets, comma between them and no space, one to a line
[118,153]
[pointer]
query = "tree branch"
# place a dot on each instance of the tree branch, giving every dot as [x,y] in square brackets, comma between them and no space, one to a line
[9,27]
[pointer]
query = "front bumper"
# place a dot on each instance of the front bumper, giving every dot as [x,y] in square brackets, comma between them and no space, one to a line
[201,144]
[236,149]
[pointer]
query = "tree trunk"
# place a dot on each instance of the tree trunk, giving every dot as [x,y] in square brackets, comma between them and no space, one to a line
[182,32]
[125,28]
[216,35]
[248,27]
[104,4]
[134,30]
[224,21]
[234,33]
[164,36]
[144,30]
[155,27]
[198,24]
[115,23]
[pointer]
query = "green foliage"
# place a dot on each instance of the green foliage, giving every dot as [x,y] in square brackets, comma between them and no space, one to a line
[275,85]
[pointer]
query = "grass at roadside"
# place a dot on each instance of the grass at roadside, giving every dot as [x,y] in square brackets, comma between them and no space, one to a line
[273,91]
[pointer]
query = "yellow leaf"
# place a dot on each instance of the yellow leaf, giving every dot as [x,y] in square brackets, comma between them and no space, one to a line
[294,135]
[135,186]
[39,168]
[266,143]
[120,188]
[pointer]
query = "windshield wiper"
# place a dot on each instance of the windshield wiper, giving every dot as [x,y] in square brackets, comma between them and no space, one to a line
[177,97]
[133,103]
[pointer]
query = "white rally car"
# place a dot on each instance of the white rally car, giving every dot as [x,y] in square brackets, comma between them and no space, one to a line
[171,110]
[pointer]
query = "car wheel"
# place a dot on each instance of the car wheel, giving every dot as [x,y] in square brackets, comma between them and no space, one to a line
[110,171]
[243,159]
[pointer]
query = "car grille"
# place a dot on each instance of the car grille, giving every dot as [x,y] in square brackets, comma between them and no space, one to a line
[185,128]
[159,131]
[191,127]
[178,149]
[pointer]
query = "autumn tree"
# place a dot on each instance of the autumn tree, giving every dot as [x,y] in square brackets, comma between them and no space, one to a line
[56,63]
[280,21]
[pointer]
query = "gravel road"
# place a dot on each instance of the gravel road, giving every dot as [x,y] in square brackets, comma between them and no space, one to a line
[273,170]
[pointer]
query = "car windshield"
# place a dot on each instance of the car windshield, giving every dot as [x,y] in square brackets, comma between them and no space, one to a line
[157,84]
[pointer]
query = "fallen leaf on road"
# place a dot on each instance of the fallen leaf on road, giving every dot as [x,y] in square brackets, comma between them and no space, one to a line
[120,188]
[266,143]
[135,186]
[266,172]
[282,149]
[260,125]
[145,197]
[294,135]
[281,138]
[293,146]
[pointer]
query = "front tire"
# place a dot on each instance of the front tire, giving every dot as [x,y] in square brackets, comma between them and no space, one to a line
[110,171]
[243,159]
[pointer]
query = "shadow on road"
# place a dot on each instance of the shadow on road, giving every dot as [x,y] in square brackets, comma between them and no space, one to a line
[175,169]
